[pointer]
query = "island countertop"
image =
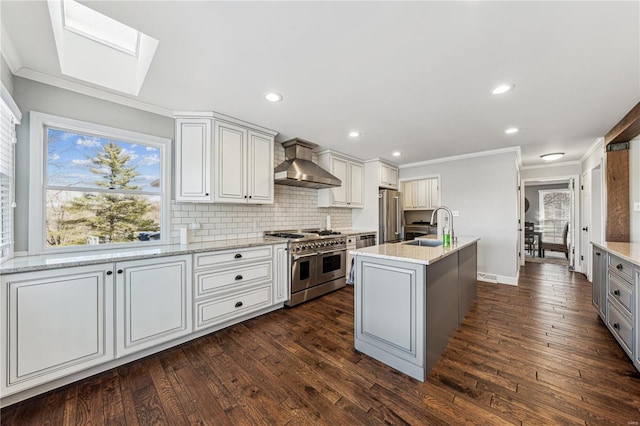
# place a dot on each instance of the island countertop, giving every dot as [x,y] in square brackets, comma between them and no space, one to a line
[627,251]
[416,254]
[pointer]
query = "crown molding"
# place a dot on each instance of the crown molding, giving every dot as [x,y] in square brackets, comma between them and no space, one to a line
[40,77]
[599,143]
[479,154]
[546,166]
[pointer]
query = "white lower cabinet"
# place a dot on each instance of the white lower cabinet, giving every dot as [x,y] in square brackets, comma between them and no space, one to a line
[55,323]
[282,273]
[153,302]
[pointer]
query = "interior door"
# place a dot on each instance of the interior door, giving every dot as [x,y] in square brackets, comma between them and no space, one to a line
[585,203]
[571,240]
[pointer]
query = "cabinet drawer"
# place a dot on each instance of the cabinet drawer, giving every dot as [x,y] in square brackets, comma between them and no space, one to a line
[620,325]
[621,266]
[621,291]
[204,260]
[220,279]
[220,309]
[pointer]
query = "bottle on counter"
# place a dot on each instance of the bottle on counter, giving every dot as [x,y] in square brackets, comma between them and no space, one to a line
[446,233]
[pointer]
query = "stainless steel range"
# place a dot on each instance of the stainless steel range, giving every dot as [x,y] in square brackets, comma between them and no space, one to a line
[318,262]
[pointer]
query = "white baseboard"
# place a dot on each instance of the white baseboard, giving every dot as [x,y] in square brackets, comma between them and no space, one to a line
[497,279]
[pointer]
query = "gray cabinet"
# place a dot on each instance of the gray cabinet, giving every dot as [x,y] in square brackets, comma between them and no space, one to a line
[620,300]
[599,284]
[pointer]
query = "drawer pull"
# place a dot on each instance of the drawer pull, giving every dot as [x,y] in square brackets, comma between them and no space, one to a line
[619,266]
[597,254]
[616,325]
[238,256]
[616,292]
[109,272]
[238,277]
[119,271]
[238,304]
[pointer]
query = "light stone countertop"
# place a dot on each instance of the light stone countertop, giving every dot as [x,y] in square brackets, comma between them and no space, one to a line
[415,254]
[63,260]
[358,232]
[627,251]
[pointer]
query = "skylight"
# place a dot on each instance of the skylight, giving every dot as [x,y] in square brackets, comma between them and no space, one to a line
[91,24]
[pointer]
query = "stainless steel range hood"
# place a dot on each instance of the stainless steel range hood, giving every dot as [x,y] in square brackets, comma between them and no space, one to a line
[299,170]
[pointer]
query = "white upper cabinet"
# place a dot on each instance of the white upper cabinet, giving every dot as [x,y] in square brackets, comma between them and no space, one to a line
[223,161]
[421,194]
[388,176]
[244,165]
[193,160]
[351,172]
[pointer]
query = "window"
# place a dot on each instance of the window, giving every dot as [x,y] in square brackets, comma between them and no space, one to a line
[9,117]
[102,187]
[555,211]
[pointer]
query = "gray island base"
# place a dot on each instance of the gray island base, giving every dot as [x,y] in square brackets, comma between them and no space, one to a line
[409,301]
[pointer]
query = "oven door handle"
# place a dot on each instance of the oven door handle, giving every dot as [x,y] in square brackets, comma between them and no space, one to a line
[301,256]
[331,251]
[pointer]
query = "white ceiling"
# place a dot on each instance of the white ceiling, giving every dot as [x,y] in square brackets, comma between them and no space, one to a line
[410,76]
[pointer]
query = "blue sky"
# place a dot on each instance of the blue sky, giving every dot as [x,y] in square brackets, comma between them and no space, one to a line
[69,160]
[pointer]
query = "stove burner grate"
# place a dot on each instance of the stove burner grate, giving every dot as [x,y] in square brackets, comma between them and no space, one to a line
[285,235]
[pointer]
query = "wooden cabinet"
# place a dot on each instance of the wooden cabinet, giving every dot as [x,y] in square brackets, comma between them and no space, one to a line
[55,323]
[244,164]
[599,282]
[388,176]
[193,160]
[153,302]
[223,160]
[421,194]
[234,285]
[351,172]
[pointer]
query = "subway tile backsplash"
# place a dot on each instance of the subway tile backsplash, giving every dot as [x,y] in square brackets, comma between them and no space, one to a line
[293,208]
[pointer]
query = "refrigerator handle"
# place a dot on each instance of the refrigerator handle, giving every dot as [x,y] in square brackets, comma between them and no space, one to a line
[397,215]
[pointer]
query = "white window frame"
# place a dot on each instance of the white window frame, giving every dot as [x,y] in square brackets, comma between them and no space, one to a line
[38,163]
[541,194]
[9,103]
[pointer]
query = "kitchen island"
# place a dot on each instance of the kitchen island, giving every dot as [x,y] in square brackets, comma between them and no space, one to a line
[410,299]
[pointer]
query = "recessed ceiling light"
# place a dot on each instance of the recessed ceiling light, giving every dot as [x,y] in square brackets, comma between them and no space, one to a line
[552,156]
[273,97]
[396,153]
[512,130]
[503,88]
[354,134]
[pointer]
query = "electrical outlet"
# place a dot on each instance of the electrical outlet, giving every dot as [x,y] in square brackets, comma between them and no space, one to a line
[455,213]
[636,207]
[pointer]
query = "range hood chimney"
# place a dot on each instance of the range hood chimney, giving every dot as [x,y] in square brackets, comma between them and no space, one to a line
[298,169]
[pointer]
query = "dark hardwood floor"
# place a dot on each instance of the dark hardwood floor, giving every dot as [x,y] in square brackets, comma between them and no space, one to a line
[532,354]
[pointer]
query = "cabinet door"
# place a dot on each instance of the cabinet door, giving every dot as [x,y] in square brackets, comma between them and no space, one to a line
[636,329]
[340,169]
[230,159]
[153,302]
[409,194]
[393,177]
[260,168]
[282,274]
[193,160]
[423,194]
[356,185]
[434,193]
[595,278]
[384,175]
[55,323]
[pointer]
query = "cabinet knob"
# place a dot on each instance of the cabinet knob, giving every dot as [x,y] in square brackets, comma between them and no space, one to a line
[207,194]
[616,325]
[616,292]
[586,228]
[119,271]
[245,196]
[238,256]
[109,272]
[238,277]
[597,254]
[238,304]
[250,196]
[619,266]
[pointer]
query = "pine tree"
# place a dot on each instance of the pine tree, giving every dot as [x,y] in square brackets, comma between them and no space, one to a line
[114,217]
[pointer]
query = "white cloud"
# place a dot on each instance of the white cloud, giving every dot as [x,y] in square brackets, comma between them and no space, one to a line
[148,160]
[88,142]
[80,162]
[54,157]
[150,148]
[132,154]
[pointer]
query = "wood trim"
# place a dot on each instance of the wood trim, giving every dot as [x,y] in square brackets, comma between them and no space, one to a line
[626,129]
[618,207]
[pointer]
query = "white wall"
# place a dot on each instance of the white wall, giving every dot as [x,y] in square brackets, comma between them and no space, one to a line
[5,75]
[484,190]
[550,171]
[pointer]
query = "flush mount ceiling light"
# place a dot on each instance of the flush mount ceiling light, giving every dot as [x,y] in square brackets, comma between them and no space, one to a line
[396,153]
[273,97]
[552,156]
[354,134]
[503,88]
[512,130]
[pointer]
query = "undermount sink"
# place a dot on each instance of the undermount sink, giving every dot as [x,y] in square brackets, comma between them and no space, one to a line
[425,243]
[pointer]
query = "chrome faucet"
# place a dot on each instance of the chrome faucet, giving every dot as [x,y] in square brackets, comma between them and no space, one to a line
[448,210]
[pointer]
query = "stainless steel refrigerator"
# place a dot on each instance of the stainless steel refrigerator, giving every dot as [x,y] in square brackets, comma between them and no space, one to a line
[390,216]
